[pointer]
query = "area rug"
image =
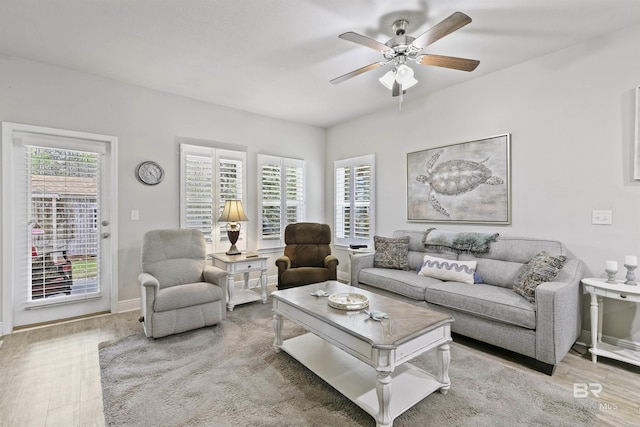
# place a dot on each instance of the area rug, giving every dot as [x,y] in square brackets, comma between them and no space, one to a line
[230,375]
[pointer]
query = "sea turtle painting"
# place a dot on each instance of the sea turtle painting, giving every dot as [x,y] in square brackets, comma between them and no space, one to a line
[455,177]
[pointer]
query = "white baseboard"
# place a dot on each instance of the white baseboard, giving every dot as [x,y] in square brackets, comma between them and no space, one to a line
[344,276]
[585,340]
[129,305]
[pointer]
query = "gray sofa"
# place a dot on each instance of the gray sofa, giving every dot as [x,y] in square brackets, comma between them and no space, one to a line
[491,311]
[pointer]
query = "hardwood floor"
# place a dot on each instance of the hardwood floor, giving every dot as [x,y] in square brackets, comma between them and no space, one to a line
[50,376]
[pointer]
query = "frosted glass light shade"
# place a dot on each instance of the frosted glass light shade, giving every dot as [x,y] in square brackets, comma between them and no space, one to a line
[404,75]
[389,77]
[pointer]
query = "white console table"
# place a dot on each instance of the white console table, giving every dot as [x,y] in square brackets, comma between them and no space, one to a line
[234,264]
[599,289]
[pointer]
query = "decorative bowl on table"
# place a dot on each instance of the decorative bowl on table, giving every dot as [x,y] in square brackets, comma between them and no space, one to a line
[348,301]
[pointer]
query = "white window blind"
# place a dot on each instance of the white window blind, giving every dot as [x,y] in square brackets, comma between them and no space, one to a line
[282,197]
[355,201]
[63,212]
[209,176]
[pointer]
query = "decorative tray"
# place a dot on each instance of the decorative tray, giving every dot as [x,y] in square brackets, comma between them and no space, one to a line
[348,301]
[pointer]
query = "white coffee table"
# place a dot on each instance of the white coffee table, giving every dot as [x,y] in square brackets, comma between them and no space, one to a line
[364,359]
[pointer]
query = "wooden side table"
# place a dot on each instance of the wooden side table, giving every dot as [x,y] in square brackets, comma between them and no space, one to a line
[234,264]
[599,289]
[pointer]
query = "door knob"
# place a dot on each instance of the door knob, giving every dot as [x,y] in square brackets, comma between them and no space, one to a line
[104,235]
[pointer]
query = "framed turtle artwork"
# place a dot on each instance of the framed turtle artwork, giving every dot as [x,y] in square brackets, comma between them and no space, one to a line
[469,182]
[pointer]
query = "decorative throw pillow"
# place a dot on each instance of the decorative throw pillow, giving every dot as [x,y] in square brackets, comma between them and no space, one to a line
[541,268]
[391,252]
[448,269]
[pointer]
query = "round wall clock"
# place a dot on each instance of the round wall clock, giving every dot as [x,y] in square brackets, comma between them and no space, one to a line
[149,173]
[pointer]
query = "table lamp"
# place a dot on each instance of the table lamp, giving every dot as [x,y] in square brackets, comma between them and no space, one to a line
[232,214]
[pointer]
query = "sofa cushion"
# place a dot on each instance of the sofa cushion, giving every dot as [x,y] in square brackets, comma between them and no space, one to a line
[542,268]
[406,283]
[492,302]
[444,269]
[180,296]
[495,272]
[391,252]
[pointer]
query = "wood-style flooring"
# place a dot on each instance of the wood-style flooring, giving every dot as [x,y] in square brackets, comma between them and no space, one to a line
[50,376]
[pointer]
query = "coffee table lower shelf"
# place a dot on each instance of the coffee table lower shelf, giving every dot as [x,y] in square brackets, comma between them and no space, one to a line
[356,380]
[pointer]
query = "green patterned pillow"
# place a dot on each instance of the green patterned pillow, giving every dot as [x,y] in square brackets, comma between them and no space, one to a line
[391,252]
[541,268]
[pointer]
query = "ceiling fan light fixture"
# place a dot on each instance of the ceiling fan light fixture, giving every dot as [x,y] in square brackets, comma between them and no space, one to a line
[411,83]
[404,74]
[390,76]
[388,79]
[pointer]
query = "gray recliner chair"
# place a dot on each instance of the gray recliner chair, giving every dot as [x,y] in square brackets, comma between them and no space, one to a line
[179,290]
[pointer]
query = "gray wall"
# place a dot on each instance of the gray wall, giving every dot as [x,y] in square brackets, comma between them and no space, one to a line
[147,123]
[570,115]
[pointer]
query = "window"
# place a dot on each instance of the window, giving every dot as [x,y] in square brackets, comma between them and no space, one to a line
[355,201]
[208,177]
[282,197]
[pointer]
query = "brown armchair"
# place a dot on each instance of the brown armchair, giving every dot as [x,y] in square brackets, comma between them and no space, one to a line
[307,256]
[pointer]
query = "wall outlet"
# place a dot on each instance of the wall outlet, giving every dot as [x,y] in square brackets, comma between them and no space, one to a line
[601,217]
[135,215]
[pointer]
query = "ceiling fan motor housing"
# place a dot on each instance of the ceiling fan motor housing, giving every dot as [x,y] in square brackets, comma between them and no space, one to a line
[400,27]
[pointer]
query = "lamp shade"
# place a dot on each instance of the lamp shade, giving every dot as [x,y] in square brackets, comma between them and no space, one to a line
[233,212]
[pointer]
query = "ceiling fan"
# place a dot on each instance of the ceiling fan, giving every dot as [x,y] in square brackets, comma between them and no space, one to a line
[402,48]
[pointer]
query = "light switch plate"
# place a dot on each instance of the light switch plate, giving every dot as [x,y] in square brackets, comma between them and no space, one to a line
[135,215]
[601,217]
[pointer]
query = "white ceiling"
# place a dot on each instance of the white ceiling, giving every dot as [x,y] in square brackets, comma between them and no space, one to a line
[276,57]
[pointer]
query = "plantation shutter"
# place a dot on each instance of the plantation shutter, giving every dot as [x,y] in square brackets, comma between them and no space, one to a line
[271,195]
[209,176]
[63,212]
[231,186]
[294,188]
[362,202]
[343,204]
[354,201]
[198,191]
[282,197]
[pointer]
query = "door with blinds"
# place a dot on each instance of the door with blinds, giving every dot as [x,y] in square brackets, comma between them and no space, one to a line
[61,233]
